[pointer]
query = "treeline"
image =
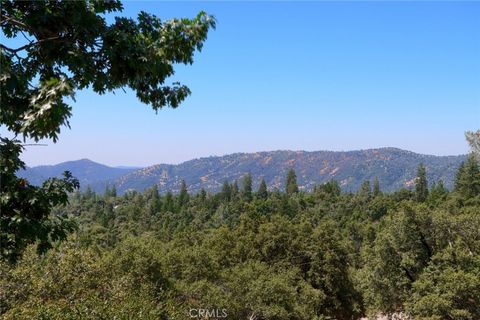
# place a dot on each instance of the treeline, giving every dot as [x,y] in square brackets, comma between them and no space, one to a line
[259,254]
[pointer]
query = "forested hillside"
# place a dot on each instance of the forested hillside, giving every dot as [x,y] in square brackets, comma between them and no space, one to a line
[394,168]
[89,173]
[257,254]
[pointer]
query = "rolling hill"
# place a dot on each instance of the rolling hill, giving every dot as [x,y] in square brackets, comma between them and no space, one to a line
[395,168]
[88,172]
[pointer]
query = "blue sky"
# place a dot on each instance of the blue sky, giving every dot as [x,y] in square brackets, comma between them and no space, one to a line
[299,76]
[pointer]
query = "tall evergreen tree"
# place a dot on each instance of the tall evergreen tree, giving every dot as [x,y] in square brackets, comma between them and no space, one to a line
[226,193]
[467,180]
[247,187]
[291,186]
[262,192]
[183,196]
[235,190]
[168,202]
[110,192]
[155,202]
[113,191]
[437,193]
[421,184]
[376,187]
[203,195]
[365,189]
[89,193]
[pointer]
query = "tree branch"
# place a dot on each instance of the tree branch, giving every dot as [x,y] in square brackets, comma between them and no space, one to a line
[7,48]
[31,44]
[5,20]
[11,51]
[35,43]
[10,20]
[25,36]
[34,145]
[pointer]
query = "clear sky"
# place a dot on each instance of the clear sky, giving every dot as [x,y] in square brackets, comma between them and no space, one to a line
[298,76]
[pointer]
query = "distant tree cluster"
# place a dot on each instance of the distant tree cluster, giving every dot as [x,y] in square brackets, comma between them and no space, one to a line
[231,191]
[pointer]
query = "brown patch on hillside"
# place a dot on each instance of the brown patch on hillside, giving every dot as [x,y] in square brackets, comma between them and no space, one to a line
[267,160]
[290,162]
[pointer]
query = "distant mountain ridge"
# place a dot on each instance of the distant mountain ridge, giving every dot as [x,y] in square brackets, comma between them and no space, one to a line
[88,172]
[395,168]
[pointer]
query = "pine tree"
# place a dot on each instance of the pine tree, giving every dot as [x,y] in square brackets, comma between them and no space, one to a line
[437,193]
[110,192]
[247,187]
[89,193]
[467,180]
[234,190]
[168,202]
[291,186]
[365,189]
[262,192]
[440,187]
[203,195]
[183,196]
[226,193]
[421,184]
[113,191]
[156,204]
[376,187]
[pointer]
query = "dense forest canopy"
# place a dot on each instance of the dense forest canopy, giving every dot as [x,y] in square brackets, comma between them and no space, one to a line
[259,254]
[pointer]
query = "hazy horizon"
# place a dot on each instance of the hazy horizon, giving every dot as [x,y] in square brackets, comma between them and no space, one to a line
[299,76]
